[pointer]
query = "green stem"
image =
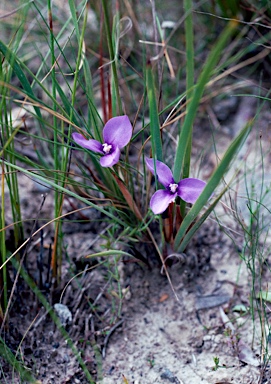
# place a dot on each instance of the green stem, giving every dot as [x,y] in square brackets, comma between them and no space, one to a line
[196,97]
[57,158]
[157,151]
[3,277]
[112,54]
[189,41]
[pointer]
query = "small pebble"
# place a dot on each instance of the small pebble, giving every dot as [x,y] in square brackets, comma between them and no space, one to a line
[168,375]
[64,314]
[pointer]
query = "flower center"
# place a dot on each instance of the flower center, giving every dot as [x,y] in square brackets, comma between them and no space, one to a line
[173,187]
[106,148]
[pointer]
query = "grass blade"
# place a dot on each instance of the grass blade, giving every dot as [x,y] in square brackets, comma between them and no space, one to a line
[24,374]
[156,141]
[189,42]
[212,184]
[113,57]
[196,97]
[54,317]
[65,190]
[14,63]
[188,236]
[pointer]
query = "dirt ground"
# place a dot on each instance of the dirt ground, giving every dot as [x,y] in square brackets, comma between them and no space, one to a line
[156,335]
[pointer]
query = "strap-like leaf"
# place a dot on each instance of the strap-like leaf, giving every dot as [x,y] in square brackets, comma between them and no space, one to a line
[212,184]
[196,97]
[154,117]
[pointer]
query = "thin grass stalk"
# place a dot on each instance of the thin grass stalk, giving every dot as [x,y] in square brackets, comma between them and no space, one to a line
[57,244]
[112,87]
[93,116]
[156,141]
[54,317]
[24,373]
[113,57]
[15,63]
[191,232]
[74,18]
[8,135]
[3,274]
[8,151]
[16,204]
[45,57]
[12,180]
[61,189]
[101,71]
[251,254]
[196,97]
[80,57]
[211,185]
[63,166]
[189,42]
[189,47]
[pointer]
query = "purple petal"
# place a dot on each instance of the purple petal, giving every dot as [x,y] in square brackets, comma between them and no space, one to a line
[163,172]
[160,200]
[190,189]
[91,144]
[118,131]
[110,159]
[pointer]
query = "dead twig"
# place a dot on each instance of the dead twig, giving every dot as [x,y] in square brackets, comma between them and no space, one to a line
[112,330]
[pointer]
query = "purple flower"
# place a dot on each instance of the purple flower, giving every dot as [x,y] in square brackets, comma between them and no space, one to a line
[187,189]
[117,133]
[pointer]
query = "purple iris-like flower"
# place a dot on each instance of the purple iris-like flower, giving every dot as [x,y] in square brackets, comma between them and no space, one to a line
[117,133]
[187,189]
